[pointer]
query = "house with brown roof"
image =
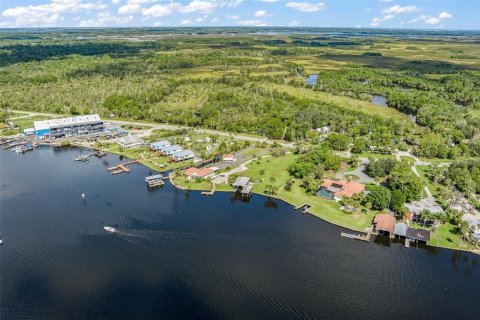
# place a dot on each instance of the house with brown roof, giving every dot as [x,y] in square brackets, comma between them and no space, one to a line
[228,157]
[337,189]
[196,173]
[384,223]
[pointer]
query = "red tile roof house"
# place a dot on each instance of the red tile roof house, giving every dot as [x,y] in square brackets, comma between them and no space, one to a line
[337,189]
[228,157]
[195,173]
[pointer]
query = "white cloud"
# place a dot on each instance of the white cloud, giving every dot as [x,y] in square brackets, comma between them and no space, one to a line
[47,14]
[199,6]
[157,24]
[260,13]
[269,1]
[199,20]
[232,16]
[433,20]
[376,21]
[160,10]
[396,9]
[293,23]
[116,1]
[214,20]
[306,6]
[368,9]
[256,23]
[185,22]
[105,19]
[129,9]
[385,0]
[444,15]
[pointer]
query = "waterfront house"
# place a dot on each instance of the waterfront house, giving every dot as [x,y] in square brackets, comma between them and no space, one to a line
[158,145]
[337,189]
[29,131]
[429,204]
[171,149]
[384,223]
[202,173]
[183,155]
[130,141]
[228,157]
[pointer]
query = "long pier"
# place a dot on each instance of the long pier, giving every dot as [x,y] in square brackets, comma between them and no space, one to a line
[120,168]
[358,236]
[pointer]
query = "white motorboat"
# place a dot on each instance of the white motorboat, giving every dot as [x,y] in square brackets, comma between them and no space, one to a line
[110,229]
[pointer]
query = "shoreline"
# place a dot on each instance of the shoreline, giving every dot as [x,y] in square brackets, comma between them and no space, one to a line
[319,216]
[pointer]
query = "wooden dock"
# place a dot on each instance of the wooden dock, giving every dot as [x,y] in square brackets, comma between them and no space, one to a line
[209,193]
[306,208]
[358,236]
[14,144]
[120,168]
[83,157]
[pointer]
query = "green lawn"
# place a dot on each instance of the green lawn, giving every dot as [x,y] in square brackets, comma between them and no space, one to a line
[447,237]
[435,188]
[275,167]
[24,123]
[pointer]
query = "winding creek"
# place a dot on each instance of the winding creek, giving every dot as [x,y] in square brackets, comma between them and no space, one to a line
[180,255]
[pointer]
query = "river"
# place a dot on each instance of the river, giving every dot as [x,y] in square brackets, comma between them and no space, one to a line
[180,255]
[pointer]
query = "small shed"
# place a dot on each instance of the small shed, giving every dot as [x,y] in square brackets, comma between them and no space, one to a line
[418,234]
[384,223]
[400,229]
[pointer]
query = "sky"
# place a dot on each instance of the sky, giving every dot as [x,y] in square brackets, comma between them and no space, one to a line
[419,14]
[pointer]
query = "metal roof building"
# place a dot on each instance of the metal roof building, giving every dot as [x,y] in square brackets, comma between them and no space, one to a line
[68,127]
[158,145]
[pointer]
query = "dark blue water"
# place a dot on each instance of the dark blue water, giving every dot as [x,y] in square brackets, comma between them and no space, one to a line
[180,255]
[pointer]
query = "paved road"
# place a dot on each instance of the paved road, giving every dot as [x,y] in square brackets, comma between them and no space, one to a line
[154,126]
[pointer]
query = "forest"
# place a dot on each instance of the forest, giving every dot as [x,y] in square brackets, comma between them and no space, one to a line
[241,81]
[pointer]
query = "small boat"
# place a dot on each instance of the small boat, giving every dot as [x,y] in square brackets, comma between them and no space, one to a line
[1,242]
[110,229]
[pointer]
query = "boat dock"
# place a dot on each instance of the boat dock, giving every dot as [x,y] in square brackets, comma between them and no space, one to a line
[14,144]
[358,236]
[84,157]
[121,167]
[155,180]
[305,207]
[209,193]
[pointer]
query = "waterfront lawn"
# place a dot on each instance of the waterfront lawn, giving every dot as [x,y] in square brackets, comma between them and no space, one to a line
[447,236]
[263,170]
[197,184]
[327,210]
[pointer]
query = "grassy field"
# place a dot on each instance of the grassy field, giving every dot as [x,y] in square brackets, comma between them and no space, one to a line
[24,123]
[341,101]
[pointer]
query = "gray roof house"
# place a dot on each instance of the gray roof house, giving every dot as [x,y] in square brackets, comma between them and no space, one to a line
[130,142]
[183,155]
[158,145]
[171,149]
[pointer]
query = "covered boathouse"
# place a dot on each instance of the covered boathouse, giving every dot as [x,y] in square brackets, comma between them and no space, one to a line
[68,127]
[243,185]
